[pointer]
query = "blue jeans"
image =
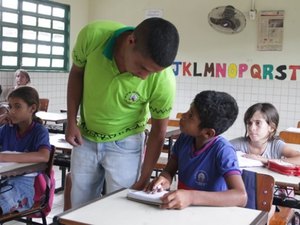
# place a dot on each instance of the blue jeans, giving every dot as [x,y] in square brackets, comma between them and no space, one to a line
[17,194]
[118,162]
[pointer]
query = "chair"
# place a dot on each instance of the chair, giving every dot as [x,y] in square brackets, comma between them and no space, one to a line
[39,206]
[259,188]
[290,137]
[44,103]
[179,115]
[283,217]
[298,125]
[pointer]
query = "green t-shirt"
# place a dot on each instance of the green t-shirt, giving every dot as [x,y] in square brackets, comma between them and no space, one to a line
[115,105]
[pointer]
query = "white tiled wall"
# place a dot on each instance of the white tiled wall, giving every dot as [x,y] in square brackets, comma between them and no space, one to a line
[49,85]
[283,94]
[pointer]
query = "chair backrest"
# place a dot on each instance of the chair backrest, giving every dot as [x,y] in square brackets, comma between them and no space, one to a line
[44,188]
[44,103]
[259,189]
[298,125]
[290,137]
[179,115]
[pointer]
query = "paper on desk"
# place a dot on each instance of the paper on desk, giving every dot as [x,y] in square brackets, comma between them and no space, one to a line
[145,197]
[246,162]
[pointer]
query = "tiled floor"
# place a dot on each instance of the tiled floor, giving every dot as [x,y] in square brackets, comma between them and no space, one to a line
[58,202]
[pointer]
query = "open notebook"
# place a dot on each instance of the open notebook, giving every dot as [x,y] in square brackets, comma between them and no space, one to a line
[246,162]
[144,197]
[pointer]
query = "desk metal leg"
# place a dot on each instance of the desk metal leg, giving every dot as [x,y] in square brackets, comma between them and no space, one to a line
[63,178]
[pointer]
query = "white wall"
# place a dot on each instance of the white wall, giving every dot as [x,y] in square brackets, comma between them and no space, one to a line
[200,44]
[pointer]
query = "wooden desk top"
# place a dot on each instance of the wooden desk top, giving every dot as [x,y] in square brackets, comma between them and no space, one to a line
[52,117]
[117,209]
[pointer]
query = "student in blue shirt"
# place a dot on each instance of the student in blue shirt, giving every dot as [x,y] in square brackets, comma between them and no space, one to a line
[23,133]
[208,171]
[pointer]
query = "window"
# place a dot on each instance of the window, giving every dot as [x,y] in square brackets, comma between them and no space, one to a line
[34,35]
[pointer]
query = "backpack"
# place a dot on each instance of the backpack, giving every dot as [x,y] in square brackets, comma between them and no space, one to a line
[41,185]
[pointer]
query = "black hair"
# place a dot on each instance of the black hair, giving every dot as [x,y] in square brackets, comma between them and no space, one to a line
[158,39]
[216,110]
[269,112]
[30,96]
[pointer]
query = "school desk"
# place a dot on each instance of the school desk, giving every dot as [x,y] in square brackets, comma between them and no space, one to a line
[16,169]
[280,179]
[62,156]
[116,209]
[52,117]
[56,118]
[284,181]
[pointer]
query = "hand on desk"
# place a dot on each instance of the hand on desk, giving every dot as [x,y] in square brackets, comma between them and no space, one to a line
[178,199]
[158,184]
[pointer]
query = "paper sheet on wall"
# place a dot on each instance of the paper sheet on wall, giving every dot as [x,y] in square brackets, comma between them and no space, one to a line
[270,30]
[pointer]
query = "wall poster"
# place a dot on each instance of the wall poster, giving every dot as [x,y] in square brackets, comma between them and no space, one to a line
[270,30]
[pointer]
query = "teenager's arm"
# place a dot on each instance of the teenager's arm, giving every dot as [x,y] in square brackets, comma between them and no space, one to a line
[153,149]
[74,95]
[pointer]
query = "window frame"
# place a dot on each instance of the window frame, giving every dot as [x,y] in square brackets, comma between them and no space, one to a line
[20,54]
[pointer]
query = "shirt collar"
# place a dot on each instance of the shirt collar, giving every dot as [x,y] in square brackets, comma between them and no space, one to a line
[108,50]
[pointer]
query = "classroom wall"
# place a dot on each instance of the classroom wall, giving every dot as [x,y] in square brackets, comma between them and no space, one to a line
[200,44]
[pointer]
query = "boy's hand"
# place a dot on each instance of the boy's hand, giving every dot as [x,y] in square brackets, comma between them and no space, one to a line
[178,199]
[158,184]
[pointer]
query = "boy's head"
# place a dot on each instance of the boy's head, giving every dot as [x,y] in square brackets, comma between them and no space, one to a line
[216,110]
[157,39]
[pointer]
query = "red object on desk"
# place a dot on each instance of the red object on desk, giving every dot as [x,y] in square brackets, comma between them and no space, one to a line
[284,167]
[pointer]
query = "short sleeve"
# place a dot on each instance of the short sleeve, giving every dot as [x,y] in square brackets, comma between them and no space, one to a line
[163,95]
[42,138]
[227,159]
[240,144]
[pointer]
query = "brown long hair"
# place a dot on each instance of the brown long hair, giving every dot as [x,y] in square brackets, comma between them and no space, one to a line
[269,112]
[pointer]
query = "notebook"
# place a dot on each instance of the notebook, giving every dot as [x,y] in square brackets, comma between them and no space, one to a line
[247,162]
[144,197]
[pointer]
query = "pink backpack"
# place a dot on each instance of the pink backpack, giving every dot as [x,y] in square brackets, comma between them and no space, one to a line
[44,184]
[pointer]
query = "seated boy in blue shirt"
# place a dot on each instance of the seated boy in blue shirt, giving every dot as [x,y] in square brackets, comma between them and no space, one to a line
[208,171]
